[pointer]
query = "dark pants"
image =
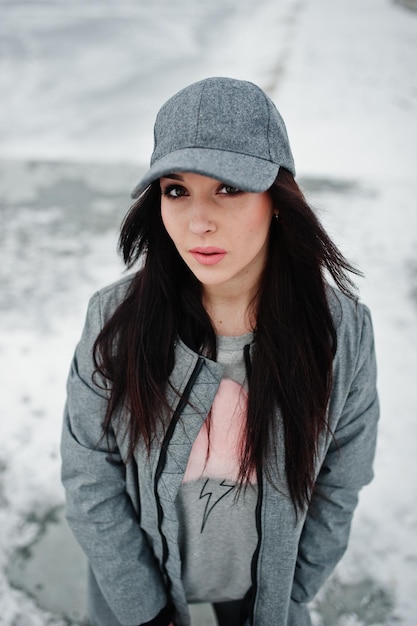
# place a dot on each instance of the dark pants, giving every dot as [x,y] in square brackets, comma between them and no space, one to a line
[229,613]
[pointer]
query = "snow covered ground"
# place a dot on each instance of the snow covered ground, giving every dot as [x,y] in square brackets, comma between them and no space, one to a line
[80,84]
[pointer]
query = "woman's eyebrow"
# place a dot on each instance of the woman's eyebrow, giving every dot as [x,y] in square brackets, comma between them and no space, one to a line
[173,177]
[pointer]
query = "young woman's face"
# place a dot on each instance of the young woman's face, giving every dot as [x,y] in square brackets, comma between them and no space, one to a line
[220,232]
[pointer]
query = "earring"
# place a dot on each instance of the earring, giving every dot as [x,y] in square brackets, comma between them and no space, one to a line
[276,216]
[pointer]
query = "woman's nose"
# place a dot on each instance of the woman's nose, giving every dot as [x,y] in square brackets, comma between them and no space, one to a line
[201,217]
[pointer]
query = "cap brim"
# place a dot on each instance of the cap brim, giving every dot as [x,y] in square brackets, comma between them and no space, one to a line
[247,173]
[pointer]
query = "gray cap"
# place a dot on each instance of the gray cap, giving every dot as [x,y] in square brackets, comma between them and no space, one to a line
[223,128]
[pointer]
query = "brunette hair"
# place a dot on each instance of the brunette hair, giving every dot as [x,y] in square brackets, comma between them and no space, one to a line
[295,337]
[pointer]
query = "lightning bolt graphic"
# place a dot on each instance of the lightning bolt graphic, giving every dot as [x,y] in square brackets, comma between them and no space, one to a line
[226,489]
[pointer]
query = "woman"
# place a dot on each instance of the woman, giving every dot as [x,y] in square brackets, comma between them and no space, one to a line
[222,408]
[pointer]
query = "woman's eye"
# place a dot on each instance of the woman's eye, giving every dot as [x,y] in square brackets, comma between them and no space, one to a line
[229,190]
[174,191]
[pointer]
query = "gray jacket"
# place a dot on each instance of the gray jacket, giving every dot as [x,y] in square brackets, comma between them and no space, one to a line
[124,515]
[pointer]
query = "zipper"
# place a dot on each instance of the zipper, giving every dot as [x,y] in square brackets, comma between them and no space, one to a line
[248,364]
[258,515]
[255,557]
[162,460]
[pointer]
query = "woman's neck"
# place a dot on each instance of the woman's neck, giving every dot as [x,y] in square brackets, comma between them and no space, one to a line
[230,315]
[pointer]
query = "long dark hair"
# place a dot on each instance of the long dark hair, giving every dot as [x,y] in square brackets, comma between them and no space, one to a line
[295,337]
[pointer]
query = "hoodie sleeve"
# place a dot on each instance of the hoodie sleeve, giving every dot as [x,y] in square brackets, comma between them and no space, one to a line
[98,508]
[347,465]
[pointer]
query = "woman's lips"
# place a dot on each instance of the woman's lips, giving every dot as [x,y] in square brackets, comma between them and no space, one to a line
[209,255]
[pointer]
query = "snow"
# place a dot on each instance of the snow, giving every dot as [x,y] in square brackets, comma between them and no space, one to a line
[81,83]
[93,75]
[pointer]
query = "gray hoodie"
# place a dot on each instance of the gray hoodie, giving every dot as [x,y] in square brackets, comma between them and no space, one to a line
[124,515]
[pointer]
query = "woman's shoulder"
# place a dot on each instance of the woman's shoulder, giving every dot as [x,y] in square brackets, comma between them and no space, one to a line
[352,320]
[108,298]
[345,309]
[116,290]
